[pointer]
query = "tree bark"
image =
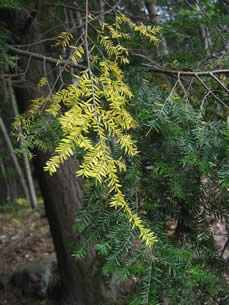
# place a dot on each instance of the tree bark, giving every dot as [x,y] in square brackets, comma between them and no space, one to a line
[62,194]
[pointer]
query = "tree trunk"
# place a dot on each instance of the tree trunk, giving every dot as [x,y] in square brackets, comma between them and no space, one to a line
[62,195]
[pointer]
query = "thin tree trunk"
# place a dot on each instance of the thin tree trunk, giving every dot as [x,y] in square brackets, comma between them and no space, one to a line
[102,8]
[7,194]
[14,159]
[155,17]
[33,198]
[205,37]
[204,31]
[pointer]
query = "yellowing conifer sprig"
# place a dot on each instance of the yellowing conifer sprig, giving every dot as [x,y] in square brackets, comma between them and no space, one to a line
[64,39]
[98,103]
[145,31]
[77,54]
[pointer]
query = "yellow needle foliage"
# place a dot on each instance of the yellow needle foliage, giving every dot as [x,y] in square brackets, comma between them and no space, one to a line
[98,104]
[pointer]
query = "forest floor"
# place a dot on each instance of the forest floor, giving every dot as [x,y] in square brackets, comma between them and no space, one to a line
[24,237]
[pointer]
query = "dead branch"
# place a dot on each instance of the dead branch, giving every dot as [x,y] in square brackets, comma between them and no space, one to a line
[45,58]
[196,74]
[186,73]
[210,91]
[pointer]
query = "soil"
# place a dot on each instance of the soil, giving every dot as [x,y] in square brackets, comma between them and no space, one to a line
[24,237]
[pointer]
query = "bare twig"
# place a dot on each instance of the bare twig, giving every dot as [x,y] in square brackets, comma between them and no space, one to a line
[156,65]
[224,248]
[34,43]
[219,82]
[45,73]
[211,92]
[46,58]
[198,75]
[149,280]
[183,88]
[186,73]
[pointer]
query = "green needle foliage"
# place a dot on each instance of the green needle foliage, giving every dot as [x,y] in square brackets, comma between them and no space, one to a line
[175,183]
[18,4]
[157,156]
